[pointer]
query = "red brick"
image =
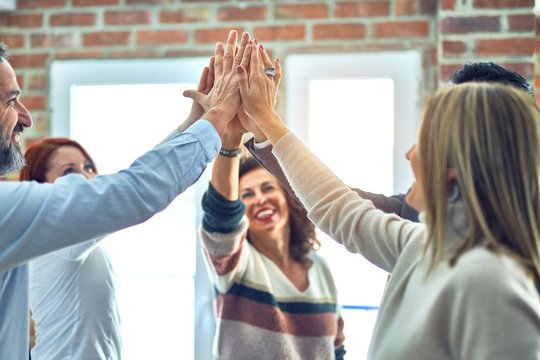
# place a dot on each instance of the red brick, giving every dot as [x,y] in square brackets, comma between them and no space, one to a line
[38,82]
[127,17]
[503,4]
[508,47]
[284,32]
[429,57]
[80,54]
[38,4]
[523,22]
[106,38]
[415,7]
[35,60]
[13,41]
[362,9]
[73,19]
[446,70]
[339,31]
[525,69]
[161,37]
[205,36]
[53,40]
[301,11]
[401,29]
[537,46]
[249,13]
[185,16]
[21,21]
[95,2]
[453,48]
[537,26]
[35,102]
[448,4]
[462,25]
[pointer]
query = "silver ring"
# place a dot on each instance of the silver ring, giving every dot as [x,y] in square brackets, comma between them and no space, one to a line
[270,71]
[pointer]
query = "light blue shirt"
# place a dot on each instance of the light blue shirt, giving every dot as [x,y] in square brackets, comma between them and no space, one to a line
[36,219]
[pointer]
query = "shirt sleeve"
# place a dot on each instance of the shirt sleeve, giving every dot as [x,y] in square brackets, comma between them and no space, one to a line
[36,219]
[339,211]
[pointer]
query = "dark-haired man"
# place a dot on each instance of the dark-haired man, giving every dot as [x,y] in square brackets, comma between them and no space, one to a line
[36,219]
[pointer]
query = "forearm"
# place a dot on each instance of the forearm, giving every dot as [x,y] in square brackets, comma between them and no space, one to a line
[225,170]
[39,218]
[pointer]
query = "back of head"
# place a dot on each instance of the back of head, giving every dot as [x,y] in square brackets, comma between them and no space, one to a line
[491,73]
[39,154]
[490,136]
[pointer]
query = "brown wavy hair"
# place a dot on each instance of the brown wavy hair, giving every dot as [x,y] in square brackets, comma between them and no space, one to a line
[39,154]
[302,237]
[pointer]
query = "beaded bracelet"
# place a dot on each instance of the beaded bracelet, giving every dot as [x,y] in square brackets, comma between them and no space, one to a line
[230,152]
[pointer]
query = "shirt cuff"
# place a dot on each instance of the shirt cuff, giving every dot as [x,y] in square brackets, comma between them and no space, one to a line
[261,145]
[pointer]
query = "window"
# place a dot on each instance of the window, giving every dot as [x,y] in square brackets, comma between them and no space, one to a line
[358,113]
[118,110]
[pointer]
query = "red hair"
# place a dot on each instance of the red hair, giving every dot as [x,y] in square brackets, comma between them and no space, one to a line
[38,156]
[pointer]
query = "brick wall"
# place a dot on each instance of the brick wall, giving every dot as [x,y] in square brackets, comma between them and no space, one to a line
[446,33]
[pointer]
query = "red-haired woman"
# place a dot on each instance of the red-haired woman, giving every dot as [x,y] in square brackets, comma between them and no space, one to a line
[72,291]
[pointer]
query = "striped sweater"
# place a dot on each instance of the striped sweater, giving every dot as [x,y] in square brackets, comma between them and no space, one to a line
[260,313]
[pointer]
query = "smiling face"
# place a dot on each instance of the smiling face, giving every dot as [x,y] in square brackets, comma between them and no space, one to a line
[13,119]
[69,160]
[266,205]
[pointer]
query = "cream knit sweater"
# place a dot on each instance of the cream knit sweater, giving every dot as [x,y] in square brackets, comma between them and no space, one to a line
[485,307]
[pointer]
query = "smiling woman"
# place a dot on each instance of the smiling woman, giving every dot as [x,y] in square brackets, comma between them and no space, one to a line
[276,298]
[72,291]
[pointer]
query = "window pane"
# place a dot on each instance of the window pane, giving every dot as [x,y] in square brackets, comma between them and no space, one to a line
[154,261]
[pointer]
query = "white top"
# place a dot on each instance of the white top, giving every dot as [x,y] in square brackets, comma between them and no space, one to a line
[73,303]
[36,219]
[485,307]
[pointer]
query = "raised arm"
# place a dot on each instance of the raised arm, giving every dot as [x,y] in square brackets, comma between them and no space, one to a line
[332,206]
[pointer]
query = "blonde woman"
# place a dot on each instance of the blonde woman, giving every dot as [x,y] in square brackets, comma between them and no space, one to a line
[465,280]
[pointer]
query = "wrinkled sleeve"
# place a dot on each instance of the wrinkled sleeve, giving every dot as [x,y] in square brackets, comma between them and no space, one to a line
[340,212]
[36,219]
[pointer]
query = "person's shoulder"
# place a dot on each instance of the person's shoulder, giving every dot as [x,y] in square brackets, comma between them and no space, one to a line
[482,272]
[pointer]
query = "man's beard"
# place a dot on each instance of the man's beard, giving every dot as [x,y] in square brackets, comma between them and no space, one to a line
[11,157]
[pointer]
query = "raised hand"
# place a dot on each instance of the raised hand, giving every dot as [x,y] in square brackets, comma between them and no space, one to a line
[221,103]
[259,91]
[206,82]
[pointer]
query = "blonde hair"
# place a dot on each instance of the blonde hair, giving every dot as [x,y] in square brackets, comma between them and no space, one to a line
[489,135]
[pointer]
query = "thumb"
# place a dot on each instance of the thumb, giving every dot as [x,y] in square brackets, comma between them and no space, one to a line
[195,95]
[243,83]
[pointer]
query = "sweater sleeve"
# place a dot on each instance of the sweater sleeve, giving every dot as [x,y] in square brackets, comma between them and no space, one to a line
[340,212]
[220,214]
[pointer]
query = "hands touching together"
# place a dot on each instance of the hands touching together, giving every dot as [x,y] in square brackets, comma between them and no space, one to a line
[236,94]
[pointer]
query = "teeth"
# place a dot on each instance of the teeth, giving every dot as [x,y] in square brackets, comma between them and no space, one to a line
[17,137]
[264,213]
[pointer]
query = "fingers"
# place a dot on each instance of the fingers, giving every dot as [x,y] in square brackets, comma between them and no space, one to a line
[218,59]
[254,64]
[246,58]
[267,62]
[195,95]
[241,49]
[202,81]
[242,81]
[210,77]
[277,77]
[230,51]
